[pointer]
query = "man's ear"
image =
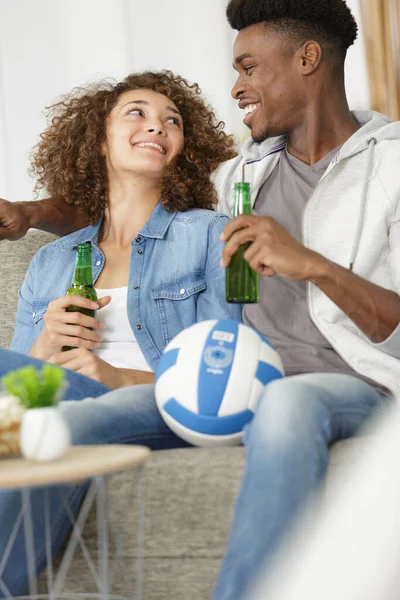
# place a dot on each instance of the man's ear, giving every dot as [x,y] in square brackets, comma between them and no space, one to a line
[310,55]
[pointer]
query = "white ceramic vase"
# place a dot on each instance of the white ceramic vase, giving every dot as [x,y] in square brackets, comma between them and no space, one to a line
[44,434]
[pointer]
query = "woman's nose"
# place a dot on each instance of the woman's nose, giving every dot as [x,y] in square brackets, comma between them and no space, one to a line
[156,129]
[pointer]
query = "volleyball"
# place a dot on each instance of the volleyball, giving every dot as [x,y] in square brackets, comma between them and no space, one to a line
[210,378]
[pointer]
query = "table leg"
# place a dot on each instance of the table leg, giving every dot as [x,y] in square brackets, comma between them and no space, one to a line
[139,483]
[102,536]
[29,540]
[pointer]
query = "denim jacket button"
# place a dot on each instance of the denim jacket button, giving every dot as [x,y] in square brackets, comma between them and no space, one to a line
[33,315]
[140,251]
[98,263]
[138,327]
[182,291]
[138,240]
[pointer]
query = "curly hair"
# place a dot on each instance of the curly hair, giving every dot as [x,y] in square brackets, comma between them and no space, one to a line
[327,21]
[67,161]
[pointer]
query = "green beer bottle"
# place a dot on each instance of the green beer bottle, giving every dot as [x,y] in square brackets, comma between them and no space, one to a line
[82,283]
[241,282]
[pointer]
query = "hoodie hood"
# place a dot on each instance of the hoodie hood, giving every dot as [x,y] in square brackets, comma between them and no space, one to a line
[257,161]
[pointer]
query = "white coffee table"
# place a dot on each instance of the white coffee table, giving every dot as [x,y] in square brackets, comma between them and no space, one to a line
[79,464]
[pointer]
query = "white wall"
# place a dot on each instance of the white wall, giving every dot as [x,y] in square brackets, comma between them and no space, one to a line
[356,67]
[49,46]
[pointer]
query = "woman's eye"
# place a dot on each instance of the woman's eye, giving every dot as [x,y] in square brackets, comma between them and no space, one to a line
[175,121]
[135,111]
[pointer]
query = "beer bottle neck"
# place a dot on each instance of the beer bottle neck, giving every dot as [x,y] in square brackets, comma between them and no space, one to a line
[242,200]
[83,267]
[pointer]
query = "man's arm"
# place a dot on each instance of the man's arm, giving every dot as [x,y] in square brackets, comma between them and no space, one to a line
[375,310]
[51,214]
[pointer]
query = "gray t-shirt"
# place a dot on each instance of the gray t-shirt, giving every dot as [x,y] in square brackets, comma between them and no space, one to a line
[281,315]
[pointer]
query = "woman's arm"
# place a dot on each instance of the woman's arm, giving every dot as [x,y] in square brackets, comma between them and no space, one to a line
[50,214]
[86,363]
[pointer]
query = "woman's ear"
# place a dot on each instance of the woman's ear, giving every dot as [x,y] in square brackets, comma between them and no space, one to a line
[103,149]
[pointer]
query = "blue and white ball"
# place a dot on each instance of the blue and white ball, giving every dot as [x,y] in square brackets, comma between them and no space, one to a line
[210,378]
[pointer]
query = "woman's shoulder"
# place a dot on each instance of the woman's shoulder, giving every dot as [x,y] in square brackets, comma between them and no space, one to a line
[64,244]
[201,215]
[70,241]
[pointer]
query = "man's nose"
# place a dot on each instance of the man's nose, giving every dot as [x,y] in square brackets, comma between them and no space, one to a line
[238,89]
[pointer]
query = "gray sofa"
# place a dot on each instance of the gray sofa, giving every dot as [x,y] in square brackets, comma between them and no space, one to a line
[190,493]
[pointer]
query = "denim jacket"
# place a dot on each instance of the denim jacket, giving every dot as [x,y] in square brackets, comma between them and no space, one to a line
[174,279]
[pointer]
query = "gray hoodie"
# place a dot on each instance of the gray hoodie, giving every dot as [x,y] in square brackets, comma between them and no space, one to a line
[352,218]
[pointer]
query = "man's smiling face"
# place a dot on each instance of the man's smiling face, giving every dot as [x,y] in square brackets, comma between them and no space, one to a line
[269,86]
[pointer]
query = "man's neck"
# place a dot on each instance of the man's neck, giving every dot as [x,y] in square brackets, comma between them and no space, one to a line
[326,126]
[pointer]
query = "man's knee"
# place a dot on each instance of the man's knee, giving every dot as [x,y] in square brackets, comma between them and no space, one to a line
[288,408]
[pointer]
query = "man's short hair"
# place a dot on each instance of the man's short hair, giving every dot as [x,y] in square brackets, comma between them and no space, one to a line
[328,22]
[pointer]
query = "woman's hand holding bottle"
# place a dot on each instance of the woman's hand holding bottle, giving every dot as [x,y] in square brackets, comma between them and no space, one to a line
[63,328]
[87,363]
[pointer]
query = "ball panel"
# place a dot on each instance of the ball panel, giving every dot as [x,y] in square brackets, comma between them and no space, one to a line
[216,365]
[201,439]
[167,360]
[270,356]
[185,337]
[165,384]
[265,373]
[204,423]
[244,365]
[254,397]
[190,343]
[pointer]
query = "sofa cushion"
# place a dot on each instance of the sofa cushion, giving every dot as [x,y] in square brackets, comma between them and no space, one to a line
[14,260]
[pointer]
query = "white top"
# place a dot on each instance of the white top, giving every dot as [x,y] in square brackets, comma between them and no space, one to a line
[119,346]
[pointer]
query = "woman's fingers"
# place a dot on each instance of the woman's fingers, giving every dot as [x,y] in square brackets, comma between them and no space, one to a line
[76,319]
[72,300]
[72,359]
[104,301]
[73,331]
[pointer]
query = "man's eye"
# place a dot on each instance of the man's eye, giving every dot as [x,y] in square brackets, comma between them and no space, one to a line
[247,70]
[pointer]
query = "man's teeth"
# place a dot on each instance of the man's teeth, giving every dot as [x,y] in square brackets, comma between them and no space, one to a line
[152,144]
[249,108]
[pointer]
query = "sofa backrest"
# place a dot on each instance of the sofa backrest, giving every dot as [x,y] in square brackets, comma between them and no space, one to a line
[14,261]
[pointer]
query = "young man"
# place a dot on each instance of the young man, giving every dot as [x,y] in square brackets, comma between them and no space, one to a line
[325,237]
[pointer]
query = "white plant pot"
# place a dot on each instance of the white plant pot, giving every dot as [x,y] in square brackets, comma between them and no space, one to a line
[44,434]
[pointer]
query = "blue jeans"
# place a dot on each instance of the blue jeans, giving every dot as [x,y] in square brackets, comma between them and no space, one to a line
[288,441]
[79,386]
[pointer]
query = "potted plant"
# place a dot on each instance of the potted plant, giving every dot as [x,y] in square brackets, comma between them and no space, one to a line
[30,410]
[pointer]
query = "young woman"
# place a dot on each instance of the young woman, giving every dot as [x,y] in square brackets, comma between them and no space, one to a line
[136,156]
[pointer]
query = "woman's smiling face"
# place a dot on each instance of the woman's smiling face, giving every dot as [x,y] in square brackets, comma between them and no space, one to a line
[144,134]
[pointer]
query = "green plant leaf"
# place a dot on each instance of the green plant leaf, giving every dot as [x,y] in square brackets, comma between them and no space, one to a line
[35,388]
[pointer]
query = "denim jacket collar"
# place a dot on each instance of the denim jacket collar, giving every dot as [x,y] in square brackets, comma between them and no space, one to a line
[156,227]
